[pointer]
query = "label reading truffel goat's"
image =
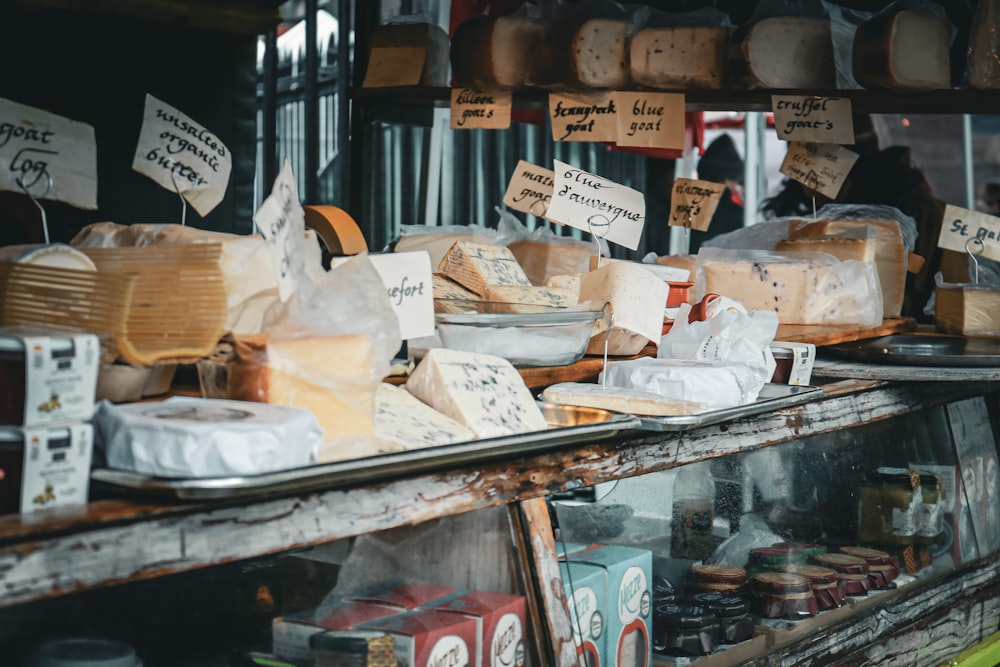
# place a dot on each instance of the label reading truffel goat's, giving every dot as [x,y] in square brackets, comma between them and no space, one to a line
[507,649]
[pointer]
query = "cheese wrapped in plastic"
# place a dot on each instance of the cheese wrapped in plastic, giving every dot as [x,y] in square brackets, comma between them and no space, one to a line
[713,385]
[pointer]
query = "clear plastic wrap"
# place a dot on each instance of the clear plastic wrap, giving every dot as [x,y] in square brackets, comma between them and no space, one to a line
[542,253]
[436,240]
[713,385]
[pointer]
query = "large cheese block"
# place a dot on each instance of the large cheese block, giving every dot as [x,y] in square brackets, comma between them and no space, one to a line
[541,260]
[406,422]
[802,288]
[390,40]
[891,253]
[330,375]
[618,399]
[521,299]
[493,52]
[903,49]
[967,310]
[637,298]
[843,248]
[587,53]
[786,52]
[481,391]
[477,266]
[679,57]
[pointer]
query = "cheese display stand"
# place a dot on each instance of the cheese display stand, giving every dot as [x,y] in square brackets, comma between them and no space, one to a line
[854,520]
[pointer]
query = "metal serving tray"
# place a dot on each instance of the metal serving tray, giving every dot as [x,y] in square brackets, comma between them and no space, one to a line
[772,397]
[568,425]
[918,350]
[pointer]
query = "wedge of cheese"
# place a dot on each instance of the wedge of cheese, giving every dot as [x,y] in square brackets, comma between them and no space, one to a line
[802,288]
[619,399]
[477,266]
[891,254]
[541,260]
[406,422]
[493,52]
[679,57]
[449,296]
[570,281]
[521,299]
[636,296]
[841,247]
[785,52]
[332,376]
[903,49]
[967,310]
[483,392]
[392,40]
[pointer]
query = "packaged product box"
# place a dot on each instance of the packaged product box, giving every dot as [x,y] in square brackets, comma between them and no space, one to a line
[585,586]
[47,376]
[408,596]
[500,625]
[45,466]
[360,648]
[794,362]
[430,637]
[291,635]
[628,575]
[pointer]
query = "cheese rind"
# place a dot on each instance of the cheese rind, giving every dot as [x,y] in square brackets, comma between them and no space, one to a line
[786,52]
[477,266]
[520,299]
[903,50]
[408,423]
[619,399]
[679,57]
[481,391]
[493,52]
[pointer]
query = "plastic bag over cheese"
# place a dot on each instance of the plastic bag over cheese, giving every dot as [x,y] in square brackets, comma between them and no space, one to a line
[802,288]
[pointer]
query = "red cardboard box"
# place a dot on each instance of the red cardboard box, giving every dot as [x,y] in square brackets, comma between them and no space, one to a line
[408,596]
[430,637]
[500,622]
[290,635]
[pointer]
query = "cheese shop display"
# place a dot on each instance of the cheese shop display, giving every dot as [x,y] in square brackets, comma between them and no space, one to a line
[802,288]
[542,260]
[580,52]
[406,422]
[714,385]
[190,437]
[903,49]
[483,392]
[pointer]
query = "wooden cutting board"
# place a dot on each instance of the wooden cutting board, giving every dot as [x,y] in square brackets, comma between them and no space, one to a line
[830,334]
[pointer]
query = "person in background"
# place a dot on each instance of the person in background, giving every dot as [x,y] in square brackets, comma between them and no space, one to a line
[991,198]
[721,163]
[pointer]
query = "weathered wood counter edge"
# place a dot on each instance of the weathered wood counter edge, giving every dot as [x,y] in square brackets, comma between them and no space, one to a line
[111,542]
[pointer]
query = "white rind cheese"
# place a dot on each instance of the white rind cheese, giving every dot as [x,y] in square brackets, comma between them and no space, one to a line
[905,50]
[619,399]
[481,391]
[788,52]
[408,423]
[598,54]
[477,266]
[679,57]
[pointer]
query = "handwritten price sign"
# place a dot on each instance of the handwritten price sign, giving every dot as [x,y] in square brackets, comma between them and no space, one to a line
[596,205]
[819,167]
[964,230]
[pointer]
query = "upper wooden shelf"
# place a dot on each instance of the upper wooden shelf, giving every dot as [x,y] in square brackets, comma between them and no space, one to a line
[957,101]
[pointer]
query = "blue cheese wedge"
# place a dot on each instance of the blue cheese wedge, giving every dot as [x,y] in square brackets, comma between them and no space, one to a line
[405,421]
[476,266]
[481,391]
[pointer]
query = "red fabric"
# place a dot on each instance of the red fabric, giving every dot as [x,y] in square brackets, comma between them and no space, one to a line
[694,127]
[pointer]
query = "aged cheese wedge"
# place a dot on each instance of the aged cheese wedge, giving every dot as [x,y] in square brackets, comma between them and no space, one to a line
[858,249]
[679,57]
[891,254]
[598,54]
[330,375]
[449,296]
[786,52]
[619,399]
[429,37]
[520,299]
[967,310]
[493,52]
[483,392]
[636,296]
[477,266]
[406,422]
[570,281]
[903,50]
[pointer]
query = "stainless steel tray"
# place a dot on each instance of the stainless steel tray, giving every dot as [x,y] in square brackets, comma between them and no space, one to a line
[569,425]
[918,350]
[771,397]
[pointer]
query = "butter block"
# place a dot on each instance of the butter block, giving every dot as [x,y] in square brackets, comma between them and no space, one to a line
[481,391]
[904,50]
[407,422]
[476,266]
[679,57]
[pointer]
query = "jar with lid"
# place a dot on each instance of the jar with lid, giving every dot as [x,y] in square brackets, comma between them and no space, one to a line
[718,578]
[768,559]
[852,572]
[733,621]
[882,567]
[683,630]
[930,518]
[826,586]
[888,507]
[783,595]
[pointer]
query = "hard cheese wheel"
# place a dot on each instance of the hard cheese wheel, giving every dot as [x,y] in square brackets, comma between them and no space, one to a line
[337,229]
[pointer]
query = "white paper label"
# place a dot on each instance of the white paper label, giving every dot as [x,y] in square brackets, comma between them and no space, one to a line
[407,280]
[596,205]
[48,156]
[819,167]
[970,231]
[530,189]
[56,470]
[282,223]
[821,120]
[60,378]
[182,156]
[477,110]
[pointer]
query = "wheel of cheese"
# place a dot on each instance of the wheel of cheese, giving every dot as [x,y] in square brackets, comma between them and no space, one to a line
[903,50]
[494,52]
[337,229]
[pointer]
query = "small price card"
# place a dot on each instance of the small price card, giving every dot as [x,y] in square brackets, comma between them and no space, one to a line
[970,231]
[530,189]
[47,156]
[475,110]
[693,203]
[596,205]
[407,280]
[583,118]
[282,222]
[819,167]
[650,120]
[820,120]
[182,156]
